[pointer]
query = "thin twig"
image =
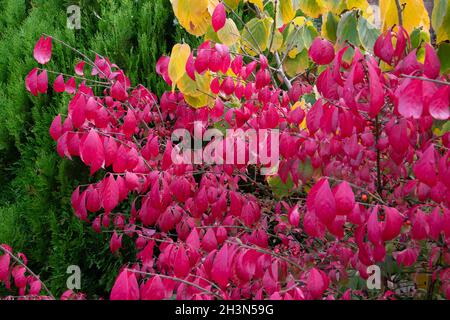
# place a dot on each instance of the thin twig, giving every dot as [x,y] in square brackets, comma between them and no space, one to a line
[28,269]
[445,83]
[399,12]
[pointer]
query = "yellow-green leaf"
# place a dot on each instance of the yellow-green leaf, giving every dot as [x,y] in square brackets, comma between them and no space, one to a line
[229,34]
[440,20]
[255,35]
[312,8]
[178,59]
[233,4]
[277,41]
[329,26]
[297,65]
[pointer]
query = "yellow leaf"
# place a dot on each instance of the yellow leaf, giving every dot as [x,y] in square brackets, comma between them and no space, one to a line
[192,15]
[312,8]
[299,104]
[233,4]
[414,15]
[177,64]
[286,10]
[299,21]
[258,3]
[196,93]
[229,34]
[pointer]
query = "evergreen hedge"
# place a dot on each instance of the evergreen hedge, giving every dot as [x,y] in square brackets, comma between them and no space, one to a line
[35,212]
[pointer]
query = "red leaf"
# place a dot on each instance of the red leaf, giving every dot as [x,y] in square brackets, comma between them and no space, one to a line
[393,223]
[181,264]
[43,50]
[59,85]
[425,167]
[79,68]
[324,204]
[56,128]
[115,243]
[317,283]
[42,82]
[219,17]
[321,51]
[71,86]
[374,231]
[410,102]
[345,199]
[125,287]
[439,105]
[31,82]
[153,289]
[110,194]
[4,266]
[432,65]
[220,270]
[92,151]
[376,92]
[383,47]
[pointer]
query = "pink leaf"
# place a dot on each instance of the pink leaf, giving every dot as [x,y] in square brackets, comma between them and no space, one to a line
[56,128]
[410,102]
[321,51]
[31,82]
[324,204]
[59,85]
[432,65]
[425,167]
[393,223]
[219,17]
[439,105]
[220,270]
[125,287]
[345,199]
[317,283]
[79,68]
[110,194]
[43,50]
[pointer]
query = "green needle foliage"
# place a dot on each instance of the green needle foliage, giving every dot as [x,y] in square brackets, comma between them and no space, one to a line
[35,212]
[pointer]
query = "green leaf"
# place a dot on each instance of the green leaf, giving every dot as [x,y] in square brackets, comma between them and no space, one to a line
[444,56]
[418,36]
[309,33]
[280,189]
[330,23]
[296,65]
[256,35]
[368,34]
[348,29]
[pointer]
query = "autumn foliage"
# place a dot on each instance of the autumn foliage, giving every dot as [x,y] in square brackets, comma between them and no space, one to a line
[363,177]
